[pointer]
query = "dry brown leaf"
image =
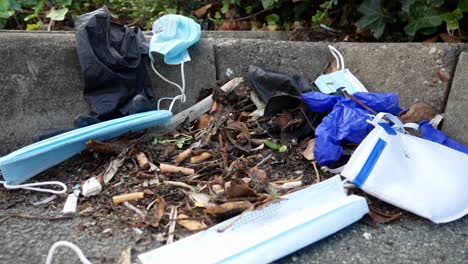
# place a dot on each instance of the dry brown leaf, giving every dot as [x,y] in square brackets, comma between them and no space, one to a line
[158,213]
[284,119]
[201,12]
[418,112]
[259,178]
[239,189]
[309,151]
[190,224]
[227,210]
[203,121]
[102,147]
[331,67]
[200,199]
[431,39]
[451,39]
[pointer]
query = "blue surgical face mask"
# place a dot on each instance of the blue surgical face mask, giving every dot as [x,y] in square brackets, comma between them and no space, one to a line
[267,234]
[342,78]
[172,36]
[25,163]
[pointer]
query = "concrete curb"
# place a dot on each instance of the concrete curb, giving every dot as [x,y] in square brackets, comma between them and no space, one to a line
[41,86]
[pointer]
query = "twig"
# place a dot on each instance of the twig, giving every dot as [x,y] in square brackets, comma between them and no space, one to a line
[37,217]
[263,161]
[237,219]
[286,181]
[172,226]
[235,144]
[133,208]
[255,14]
[179,184]
[317,174]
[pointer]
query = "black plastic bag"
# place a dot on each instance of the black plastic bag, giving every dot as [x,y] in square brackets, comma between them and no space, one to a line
[282,95]
[110,56]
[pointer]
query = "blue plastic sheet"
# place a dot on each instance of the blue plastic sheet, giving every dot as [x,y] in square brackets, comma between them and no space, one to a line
[347,120]
[435,135]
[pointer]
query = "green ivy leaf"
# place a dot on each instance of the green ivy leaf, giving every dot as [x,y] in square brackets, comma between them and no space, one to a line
[5,11]
[65,3]
[226,5]
[57,14]
[374,18]
[427,18]
[38,25]
[272,19]
[14,5]
[451,19]
[463,5]
[267,3]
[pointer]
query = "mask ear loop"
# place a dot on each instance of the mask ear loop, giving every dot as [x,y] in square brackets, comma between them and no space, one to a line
[32,186]
[180,97]
[75,248]
[338,57]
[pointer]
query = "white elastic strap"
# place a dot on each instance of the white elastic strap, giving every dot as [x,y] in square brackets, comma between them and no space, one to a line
[335,53]
[411,125]
[334,171]
[398,125]
[32,186]
[77,250]
[181,97]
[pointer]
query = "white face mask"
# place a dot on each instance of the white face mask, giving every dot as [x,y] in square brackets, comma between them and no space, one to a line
[423,177]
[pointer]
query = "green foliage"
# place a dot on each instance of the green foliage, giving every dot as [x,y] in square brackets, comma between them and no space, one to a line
[375,18]
[322,13]
[57,14]
[415,16]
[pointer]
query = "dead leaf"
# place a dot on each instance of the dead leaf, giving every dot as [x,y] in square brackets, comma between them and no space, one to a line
[418,112]
[190,224]
[227,210]
[112,169]
[450,39]
[201,12]
[200,199]
[239,189]
[158,213]
[203,121]
[309,151]
[431,39]
[443,75]
[102,147]
[259,178]
[377,217]
[331,67]
[284,119]
[125,256]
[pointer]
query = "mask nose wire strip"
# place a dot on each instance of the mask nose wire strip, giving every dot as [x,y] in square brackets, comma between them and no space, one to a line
[77,250]
[32,186]
[181,97]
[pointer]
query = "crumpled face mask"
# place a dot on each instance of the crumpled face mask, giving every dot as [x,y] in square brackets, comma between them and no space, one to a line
[172,36]
[415,174]
[269,233]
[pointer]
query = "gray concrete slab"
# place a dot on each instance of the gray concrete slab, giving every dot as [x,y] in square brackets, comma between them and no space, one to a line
[41,83]
[456,112]
[410,69]
[410,240]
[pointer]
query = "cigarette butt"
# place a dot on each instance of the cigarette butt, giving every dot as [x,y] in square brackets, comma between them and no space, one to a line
[170,168]
[183,155]
[127,197]
[143,160]
[201,157]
